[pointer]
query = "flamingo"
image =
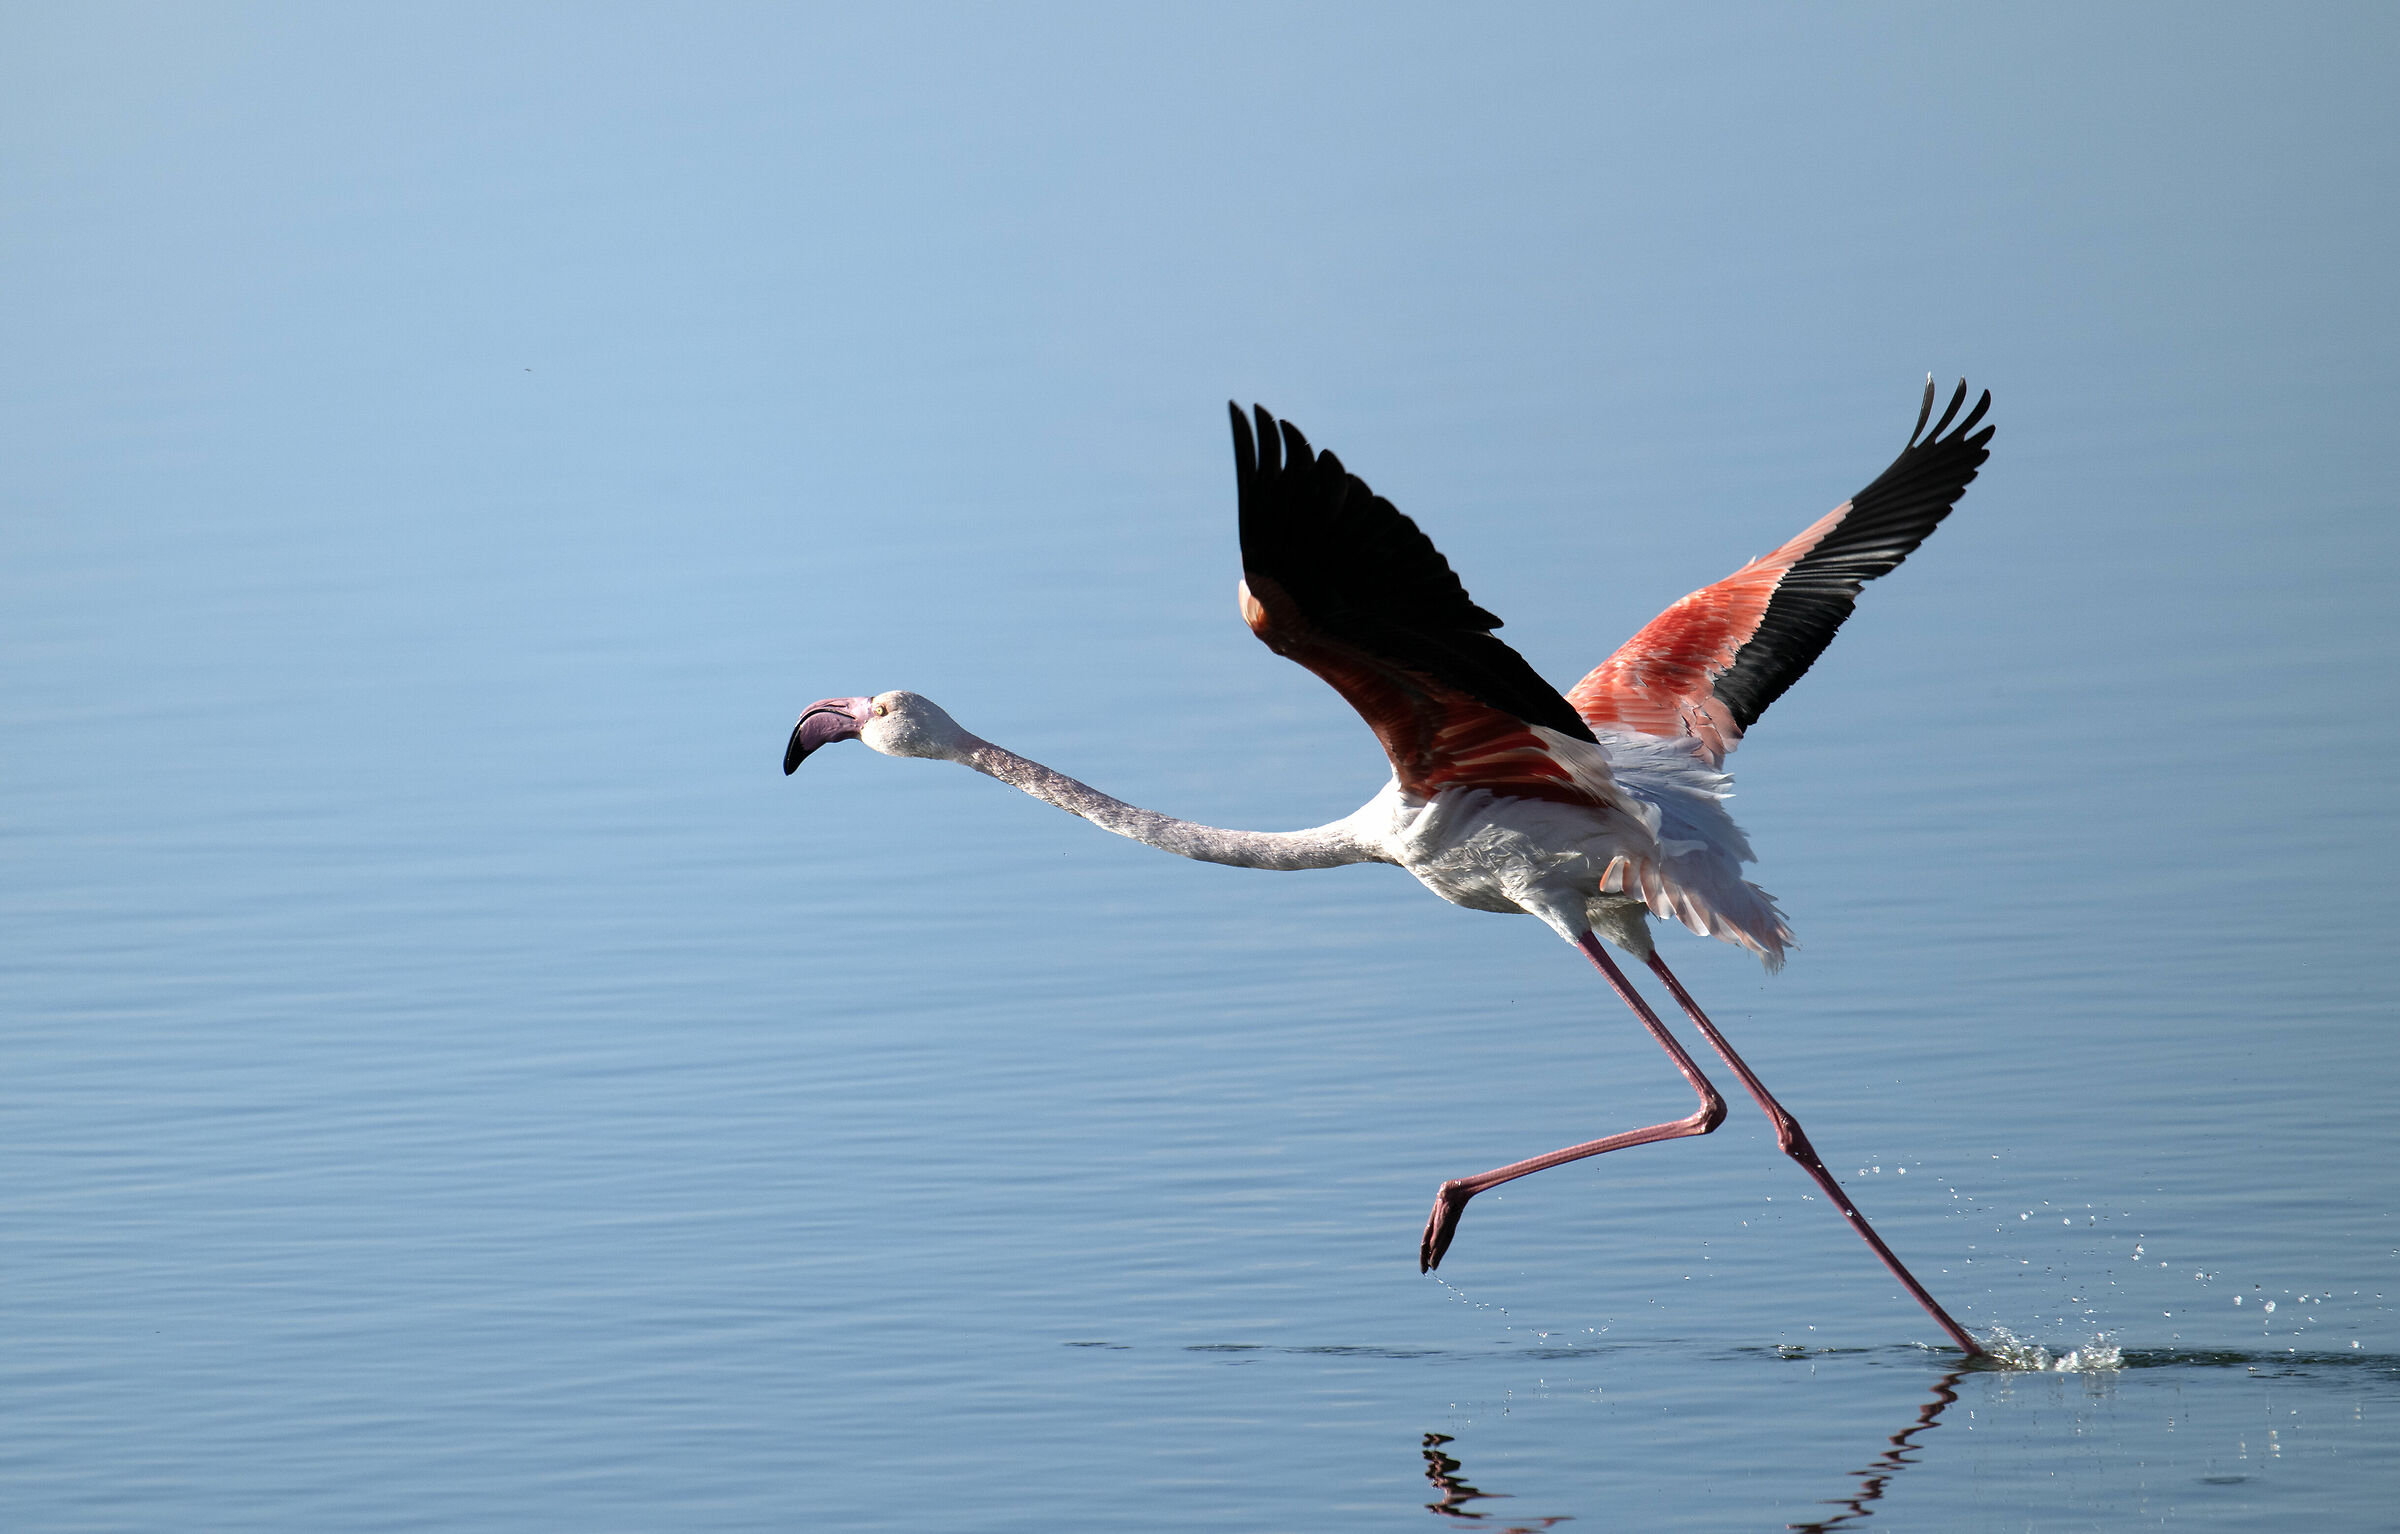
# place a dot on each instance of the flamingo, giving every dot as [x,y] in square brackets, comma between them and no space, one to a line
[1594,811]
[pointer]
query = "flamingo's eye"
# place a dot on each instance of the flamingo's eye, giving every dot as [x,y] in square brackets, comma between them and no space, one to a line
[880,711]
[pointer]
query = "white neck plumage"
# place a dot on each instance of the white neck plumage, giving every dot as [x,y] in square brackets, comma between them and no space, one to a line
[1326,846]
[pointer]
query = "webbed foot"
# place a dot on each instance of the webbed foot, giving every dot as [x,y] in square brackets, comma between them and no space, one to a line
[1448,1204]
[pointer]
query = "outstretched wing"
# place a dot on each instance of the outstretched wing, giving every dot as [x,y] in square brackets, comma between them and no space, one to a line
[1708,666]
[1334,577]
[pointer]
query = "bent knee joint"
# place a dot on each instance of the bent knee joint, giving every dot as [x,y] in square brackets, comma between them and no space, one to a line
[1711,1114]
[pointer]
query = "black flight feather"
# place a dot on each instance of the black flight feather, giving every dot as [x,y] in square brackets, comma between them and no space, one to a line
[1887,521]
[1365,575]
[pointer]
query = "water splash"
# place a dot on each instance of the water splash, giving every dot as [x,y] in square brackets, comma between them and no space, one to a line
[2007,1350]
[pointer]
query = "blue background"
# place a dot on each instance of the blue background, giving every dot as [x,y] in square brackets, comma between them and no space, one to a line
[452,1080]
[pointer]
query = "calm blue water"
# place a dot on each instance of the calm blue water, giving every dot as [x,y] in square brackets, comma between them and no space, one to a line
[451,1079]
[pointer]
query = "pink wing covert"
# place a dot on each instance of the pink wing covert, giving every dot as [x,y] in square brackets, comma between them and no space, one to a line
[1708,666]
[1658,682]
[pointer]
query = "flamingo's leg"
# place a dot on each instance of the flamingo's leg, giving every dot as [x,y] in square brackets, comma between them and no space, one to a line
[1794,1141]
[1451,1200]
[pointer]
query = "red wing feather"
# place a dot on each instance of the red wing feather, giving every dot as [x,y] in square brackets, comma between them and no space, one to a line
[1708,666]
[1658,682]
[1334,577]
[1436,736]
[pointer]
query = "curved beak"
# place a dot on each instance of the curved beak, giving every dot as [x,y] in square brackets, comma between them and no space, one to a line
[824,722]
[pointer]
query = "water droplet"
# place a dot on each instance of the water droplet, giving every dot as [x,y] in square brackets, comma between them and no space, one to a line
[2270,1307]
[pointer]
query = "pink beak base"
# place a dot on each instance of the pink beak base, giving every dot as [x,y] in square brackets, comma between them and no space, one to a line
[821,724]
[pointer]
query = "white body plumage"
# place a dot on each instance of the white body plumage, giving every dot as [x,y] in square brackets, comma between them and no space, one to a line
[1663,845]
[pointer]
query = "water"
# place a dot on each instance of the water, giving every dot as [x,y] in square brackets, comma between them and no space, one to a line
[452,1080]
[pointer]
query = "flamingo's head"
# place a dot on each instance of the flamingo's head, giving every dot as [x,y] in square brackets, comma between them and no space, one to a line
[894,723]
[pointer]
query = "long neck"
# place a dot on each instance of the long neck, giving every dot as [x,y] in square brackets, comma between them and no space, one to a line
[1326,846]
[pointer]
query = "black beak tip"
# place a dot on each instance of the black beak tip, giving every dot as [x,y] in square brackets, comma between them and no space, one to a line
[820,726]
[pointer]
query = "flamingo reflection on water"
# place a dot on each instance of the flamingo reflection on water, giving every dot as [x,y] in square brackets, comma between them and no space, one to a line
[1457,1497]
[1876,1479]
[1594,811]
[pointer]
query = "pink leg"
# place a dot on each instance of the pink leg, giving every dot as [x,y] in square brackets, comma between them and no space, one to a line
[1451,1201]
[1794,1141]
